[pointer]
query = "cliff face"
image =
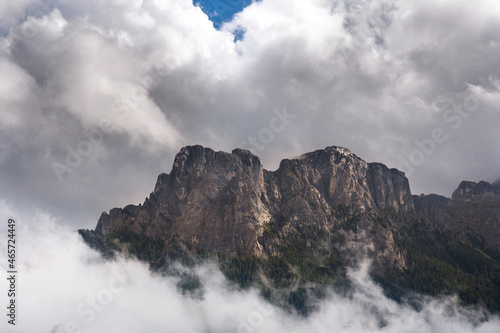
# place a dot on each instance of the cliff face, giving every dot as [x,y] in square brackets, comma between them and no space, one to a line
[472,215]
[227,203]
[341,177]
[473,192]
[310,219]
[210,199]
[328,199]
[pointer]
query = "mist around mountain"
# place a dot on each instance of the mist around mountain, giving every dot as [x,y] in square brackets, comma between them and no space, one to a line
[296,234]
[87,293]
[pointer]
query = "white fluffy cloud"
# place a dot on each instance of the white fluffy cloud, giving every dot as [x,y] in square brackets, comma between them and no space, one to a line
[90,74]
[147,77]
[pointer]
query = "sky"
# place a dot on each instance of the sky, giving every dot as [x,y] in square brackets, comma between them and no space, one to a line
[97,97]
[223,11]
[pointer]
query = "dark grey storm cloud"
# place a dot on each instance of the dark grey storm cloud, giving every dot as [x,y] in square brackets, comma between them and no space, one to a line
[96,97]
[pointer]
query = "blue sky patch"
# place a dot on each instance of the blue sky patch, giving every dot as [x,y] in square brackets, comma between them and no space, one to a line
[220,11]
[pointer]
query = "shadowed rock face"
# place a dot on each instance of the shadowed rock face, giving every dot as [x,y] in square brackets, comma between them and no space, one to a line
[471,192]
[227,203]
[472,214]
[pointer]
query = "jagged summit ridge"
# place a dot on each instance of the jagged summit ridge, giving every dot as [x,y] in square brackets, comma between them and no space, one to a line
[330,149]
[470,191]
[223,202]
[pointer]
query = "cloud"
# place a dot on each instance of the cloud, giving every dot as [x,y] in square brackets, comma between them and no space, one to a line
[147,77]
[10,11]
[19,95]
[86,73]
[111,90]
[64,286]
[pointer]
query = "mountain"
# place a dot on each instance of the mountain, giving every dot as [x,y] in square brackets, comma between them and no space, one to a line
[227,203]
[309,220]
[471,215]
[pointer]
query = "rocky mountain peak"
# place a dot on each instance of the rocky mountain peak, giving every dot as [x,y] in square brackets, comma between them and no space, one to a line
[338,149]
[470,191]
[344,178]
[222,202]
[331,154]
[199,159]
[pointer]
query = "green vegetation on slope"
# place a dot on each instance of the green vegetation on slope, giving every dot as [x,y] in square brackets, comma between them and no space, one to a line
[438,266]
[306,262]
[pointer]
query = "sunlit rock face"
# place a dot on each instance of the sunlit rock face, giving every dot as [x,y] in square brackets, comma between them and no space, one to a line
[228,203]
[222,202]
